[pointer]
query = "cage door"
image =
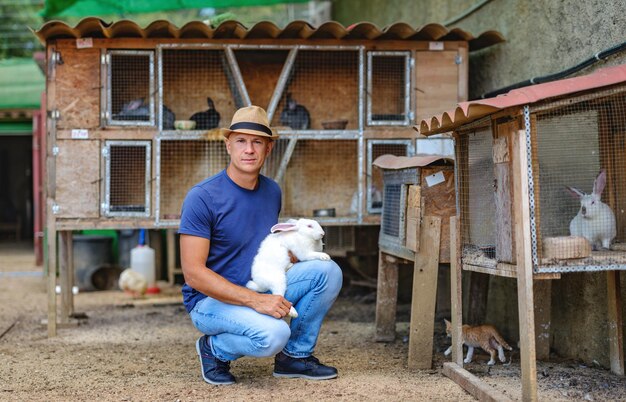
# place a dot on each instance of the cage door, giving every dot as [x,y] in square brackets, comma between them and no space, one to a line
[389,88]
[127,178]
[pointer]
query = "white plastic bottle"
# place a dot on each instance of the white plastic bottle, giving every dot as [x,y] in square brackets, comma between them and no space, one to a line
[142,261]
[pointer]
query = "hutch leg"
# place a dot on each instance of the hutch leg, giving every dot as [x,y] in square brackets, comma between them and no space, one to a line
[543,300]
[52,282]
[66,275]
[170,239]
[616,336]
[456,291]
[386,298]
[425,272]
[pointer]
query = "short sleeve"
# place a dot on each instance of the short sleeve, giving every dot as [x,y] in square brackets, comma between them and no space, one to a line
[196,214]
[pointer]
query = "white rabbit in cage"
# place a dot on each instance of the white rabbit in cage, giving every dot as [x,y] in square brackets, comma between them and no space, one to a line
[595,220]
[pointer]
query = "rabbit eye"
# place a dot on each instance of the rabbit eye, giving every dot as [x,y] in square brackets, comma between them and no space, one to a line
[310,226]
[593,202]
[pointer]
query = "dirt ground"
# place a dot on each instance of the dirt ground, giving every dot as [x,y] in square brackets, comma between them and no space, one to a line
[144,351]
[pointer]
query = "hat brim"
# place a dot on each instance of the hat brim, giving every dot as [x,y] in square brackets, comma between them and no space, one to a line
[227,131]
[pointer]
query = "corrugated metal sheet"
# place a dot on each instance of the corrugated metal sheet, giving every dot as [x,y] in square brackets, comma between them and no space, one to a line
[97,28]
[467,112]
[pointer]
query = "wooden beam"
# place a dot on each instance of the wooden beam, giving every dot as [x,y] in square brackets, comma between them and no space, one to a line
[456,290]
[51,266]
[472,384]
[543,301]
[525,300]
[66,275]
[425,274]
[616,336]
[386,298]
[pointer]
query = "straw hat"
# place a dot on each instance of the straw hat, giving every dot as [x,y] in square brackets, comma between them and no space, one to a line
[250,120]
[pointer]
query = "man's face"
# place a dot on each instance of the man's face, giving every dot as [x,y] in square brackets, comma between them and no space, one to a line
[248,152]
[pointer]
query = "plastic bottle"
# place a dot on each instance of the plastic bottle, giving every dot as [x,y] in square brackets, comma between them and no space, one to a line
[142,261]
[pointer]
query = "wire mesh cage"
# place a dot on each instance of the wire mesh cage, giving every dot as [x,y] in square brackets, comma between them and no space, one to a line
[127,179]
[579,178]
[130,88]
[182,164]
[322,92]
[376,148]
[476,197]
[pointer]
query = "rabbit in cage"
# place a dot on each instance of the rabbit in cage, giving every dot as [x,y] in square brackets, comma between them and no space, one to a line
[595,220]
[138,110]
[207,119]
[294,115]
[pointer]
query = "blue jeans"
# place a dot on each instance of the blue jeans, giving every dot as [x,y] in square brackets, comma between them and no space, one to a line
[235,331]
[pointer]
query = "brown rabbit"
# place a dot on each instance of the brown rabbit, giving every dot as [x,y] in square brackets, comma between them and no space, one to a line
[485,336]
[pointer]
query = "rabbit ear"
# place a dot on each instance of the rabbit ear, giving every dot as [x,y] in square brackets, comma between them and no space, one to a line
[599,182]
[284,227]
[574,192]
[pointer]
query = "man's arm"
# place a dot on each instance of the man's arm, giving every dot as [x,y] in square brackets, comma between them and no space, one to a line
[193,254]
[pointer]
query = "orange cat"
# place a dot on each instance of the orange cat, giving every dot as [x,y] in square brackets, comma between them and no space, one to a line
[483,336]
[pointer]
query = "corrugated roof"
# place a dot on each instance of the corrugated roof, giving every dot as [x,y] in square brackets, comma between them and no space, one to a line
[97,28]
[467,112]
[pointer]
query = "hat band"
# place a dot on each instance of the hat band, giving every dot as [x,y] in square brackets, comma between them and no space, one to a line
[251,126]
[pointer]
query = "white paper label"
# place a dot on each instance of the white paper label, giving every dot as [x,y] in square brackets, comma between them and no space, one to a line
[435,45]
[434,179]
[80,134]
[82,43]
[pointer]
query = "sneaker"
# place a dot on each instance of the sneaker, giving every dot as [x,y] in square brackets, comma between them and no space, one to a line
[214,371]
[306,367]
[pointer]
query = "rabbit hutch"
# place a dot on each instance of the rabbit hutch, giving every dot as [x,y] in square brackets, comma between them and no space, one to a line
[418,201]
[541,192]
[133,114]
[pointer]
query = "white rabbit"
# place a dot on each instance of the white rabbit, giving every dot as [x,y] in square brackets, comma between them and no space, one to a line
[302,237]
[595,220]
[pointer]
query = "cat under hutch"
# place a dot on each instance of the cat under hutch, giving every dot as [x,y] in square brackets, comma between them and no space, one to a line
[541,190]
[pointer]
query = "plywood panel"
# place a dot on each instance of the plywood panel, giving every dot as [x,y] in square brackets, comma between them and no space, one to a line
[78,179]
[505,237]
[440,200]
[78,89]
[437,83]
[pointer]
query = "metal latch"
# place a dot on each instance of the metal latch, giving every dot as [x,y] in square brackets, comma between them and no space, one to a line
[55,208]
[458,59]
[55,150]
[105,152]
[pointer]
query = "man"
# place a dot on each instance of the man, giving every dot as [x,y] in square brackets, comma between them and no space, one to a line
[224,219]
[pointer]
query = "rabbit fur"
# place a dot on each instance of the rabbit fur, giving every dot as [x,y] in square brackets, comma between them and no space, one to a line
[595,220]
[303,237]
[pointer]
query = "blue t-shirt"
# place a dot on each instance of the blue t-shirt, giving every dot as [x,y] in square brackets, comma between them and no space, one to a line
[234,219]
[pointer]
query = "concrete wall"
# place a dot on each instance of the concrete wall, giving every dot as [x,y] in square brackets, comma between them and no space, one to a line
[542,37]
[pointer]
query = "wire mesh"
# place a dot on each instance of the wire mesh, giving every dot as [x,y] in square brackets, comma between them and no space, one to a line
[130,88]
[318,175]
[388,97]
[127,181]
[375,182]
[476,195]
[324,88]
[198,85]
[183,164]
[580,170]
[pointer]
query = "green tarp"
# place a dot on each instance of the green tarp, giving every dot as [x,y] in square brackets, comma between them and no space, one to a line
[84,8]
[21,84]
[19,128]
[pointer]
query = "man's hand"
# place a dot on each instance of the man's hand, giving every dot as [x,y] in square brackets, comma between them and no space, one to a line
[273,305]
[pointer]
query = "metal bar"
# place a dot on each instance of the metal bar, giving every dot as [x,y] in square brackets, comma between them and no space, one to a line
[285,160]
[241,86]
[282,82]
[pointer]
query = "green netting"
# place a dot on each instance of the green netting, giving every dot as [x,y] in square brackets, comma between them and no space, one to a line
[21,84]
[84,8]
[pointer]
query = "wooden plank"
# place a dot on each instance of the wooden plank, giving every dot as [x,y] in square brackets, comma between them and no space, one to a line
[505,236]
[616,336]
[78,179]
[79,74]
[437,83]
[51,266]
[424,295]
[413,218]
[386,298]
[472,384]
[543,302]
[66,279]
[525,297]
[463,90]
[440,200]
[456,299]
[477,303]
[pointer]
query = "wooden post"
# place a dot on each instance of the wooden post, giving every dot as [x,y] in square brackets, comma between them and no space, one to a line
[525,300]
[386,298]
[170,239]
[425,272]
[456,291]
[51,264]
[616,337]
[543,300]
[66,275]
